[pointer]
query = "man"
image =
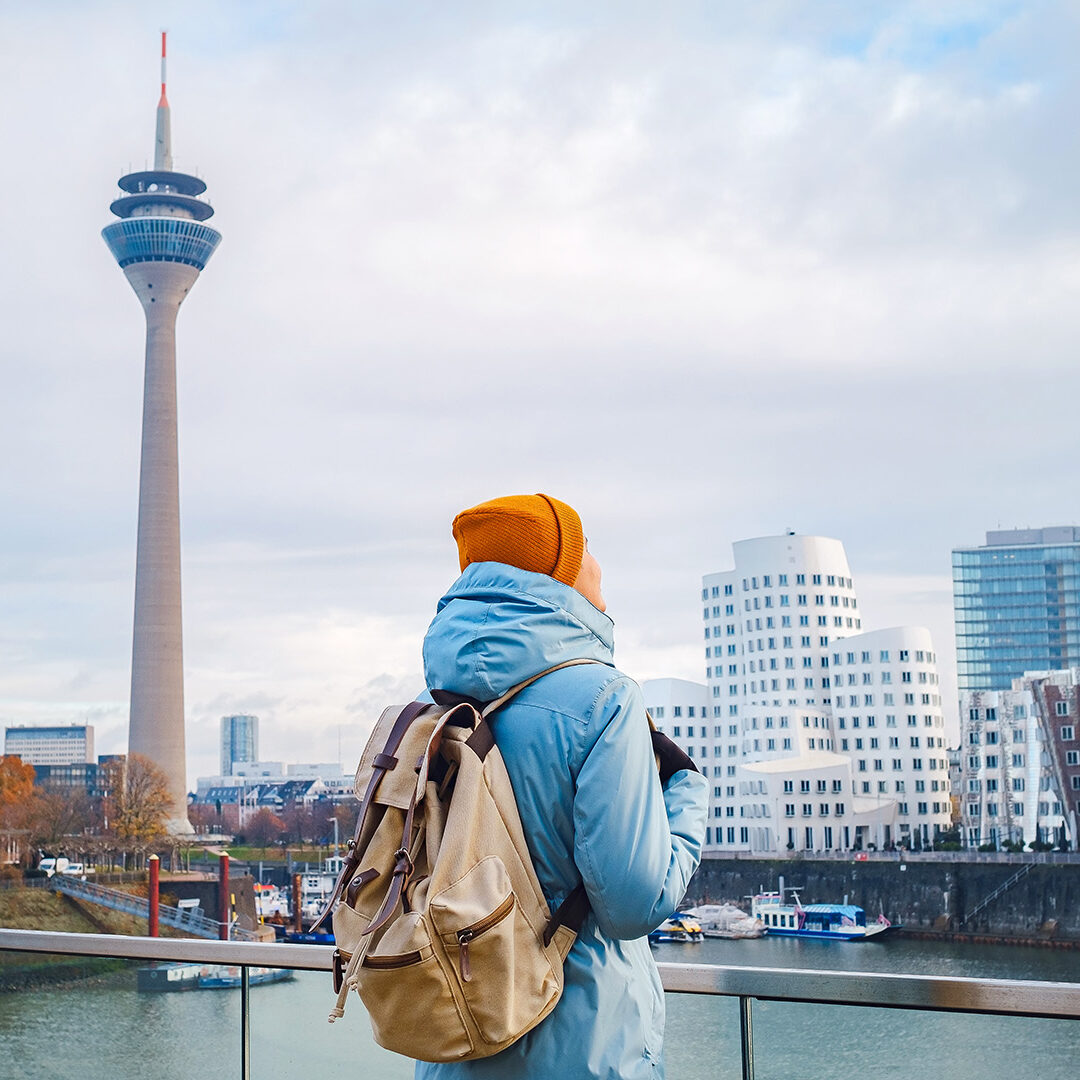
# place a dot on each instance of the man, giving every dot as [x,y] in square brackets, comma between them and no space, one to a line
[583,764]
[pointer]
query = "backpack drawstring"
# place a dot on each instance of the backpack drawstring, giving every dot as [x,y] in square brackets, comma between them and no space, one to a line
[350,978]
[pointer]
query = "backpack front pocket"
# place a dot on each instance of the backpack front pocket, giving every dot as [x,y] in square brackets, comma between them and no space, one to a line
[406,992]
[488,939]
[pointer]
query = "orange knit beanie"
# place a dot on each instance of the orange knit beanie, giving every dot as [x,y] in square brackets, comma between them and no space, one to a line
[531,532]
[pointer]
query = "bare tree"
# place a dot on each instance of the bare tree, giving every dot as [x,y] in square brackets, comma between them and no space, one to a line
[50,816]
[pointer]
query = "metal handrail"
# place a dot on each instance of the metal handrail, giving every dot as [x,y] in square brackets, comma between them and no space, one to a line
[929,993]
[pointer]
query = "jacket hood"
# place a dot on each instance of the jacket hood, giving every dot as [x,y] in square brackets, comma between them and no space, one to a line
[498,625]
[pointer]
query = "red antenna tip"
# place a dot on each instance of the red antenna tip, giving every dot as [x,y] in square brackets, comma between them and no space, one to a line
[163,103]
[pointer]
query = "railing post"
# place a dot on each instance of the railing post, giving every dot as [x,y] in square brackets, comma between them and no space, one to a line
[245,1025]
[154,896]
[223,895]
[746,1037]
[297,892]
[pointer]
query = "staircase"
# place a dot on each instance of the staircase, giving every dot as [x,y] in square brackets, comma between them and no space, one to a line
[117,900]
[1002,888]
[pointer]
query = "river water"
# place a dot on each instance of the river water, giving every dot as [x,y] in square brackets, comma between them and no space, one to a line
[106,1029]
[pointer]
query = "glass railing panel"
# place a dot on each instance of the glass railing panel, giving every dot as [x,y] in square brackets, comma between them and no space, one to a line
[73,1017]
[795,1041]
[702,1037]
[290,1035]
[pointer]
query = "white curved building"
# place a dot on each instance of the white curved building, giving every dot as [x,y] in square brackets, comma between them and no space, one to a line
[820,736]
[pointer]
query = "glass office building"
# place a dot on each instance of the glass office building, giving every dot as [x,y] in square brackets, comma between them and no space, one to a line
[239,741]
[1017,606]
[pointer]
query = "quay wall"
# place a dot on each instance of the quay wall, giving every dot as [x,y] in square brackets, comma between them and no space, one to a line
[931,897]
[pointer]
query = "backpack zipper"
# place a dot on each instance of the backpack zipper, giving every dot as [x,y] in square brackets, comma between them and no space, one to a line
[395,961]
[475,930]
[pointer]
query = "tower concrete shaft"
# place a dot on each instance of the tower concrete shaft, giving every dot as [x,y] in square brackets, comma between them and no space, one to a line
[161,245]
[157,662]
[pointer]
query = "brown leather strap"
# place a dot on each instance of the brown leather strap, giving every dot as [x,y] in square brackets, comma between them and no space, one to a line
[571,913]
[482,740]
[383,763]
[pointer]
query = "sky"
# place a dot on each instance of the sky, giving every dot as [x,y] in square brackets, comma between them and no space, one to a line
[706,271]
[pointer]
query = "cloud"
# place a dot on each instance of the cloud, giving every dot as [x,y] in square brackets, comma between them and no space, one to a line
[707,274]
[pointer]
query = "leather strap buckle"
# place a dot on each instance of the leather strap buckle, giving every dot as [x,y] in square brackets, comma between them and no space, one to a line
[402,856]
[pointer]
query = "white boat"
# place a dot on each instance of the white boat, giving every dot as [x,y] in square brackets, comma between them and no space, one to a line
[270,901]
[726,921]
[317,886]
[827,922]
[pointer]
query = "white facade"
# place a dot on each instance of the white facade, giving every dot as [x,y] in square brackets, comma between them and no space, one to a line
[798,695]
[1007,787]
[70,745]
[679,708]
[250,773]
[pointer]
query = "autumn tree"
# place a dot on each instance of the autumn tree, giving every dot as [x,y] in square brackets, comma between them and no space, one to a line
[16,788]
[264,828]
[138,802]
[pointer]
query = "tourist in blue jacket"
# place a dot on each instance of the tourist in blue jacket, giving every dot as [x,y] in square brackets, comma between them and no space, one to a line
[583,764]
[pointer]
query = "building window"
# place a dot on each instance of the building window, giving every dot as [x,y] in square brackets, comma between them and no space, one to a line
[1061,708]
[1067,733]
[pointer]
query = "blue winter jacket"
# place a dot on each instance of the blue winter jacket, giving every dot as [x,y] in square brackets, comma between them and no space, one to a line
[577,747]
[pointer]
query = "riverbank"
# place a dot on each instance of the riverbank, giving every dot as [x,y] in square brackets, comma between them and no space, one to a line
[40,909]
[977,902]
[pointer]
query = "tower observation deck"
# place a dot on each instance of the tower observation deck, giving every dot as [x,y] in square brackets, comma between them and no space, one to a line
[162,245]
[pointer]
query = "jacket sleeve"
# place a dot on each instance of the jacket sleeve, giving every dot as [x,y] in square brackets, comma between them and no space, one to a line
[635,845]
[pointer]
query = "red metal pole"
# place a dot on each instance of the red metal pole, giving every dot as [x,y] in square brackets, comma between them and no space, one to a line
[155,893]
[223,896]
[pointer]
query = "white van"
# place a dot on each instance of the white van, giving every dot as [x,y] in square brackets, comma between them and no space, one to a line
[54,866]
[75,869]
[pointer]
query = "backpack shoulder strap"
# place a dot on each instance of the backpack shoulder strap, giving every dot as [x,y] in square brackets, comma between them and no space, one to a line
[498,703]
[384,762]
[574,909]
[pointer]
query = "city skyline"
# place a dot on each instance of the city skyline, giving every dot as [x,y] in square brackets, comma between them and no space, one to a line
[736,273]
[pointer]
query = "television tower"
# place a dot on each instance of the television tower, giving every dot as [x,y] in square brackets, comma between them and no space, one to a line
[161,245]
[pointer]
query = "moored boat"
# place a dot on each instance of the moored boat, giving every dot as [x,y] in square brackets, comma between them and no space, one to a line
[681,927]
[219,977]
[828,922]
[172,978]
[726,921]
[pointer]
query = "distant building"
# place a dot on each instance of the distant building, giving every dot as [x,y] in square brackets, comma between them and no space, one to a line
[239,741]
[1020,761]
[814,734]
[251,773]
[89,776]
[60,745]
[1017,606]
[1057,695]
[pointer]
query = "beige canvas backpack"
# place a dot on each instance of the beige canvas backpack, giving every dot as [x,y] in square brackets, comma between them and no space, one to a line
[438,916]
